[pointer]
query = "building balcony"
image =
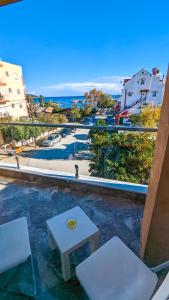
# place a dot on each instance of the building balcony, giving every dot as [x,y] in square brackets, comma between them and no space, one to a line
[2,99]
[2,83]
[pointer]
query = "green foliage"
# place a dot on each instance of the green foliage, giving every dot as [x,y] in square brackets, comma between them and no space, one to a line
[19,133]
[5,119]
[122,156]
[105,101]
[75,112]
[94,94]
[54,105]
[86,111]
[101,122]
[149,117]
[52,118]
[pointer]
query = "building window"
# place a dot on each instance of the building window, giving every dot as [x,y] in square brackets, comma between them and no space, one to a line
[7,74]
[154,93]
[142,81]
[15,76]
[130,94]
[18,91]
[13,105]
[20,105]
[10,90]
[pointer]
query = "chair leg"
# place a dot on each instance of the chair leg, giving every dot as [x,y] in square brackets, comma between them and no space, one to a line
[17,293]
[4,289]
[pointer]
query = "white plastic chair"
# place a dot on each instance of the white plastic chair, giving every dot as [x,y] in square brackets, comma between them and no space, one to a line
[14,246]
[114,272]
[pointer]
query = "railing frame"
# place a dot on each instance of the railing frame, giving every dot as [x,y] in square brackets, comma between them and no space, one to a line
[114,128]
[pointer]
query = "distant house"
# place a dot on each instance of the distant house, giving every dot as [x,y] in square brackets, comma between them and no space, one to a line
[143,87]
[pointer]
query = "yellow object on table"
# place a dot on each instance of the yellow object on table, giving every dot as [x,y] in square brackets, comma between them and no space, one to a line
[71,223]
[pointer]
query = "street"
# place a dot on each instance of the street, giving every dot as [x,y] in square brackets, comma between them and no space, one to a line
[59,157]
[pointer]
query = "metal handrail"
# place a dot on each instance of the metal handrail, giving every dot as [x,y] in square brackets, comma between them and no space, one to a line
[114,128]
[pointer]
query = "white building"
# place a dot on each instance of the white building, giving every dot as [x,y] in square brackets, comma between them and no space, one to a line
[12,91]
[143,87]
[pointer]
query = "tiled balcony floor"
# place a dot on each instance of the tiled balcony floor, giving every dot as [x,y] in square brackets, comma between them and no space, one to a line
[113,216]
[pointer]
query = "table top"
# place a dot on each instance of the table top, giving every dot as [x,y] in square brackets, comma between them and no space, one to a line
[66,238]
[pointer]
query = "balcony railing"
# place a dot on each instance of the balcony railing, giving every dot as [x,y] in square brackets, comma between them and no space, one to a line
[2,99]
[80,150]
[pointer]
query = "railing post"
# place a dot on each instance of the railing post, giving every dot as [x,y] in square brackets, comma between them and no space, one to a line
[76,171]
[17,162]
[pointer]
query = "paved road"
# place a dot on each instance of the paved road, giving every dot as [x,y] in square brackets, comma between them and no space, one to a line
[58,157]
[62,150]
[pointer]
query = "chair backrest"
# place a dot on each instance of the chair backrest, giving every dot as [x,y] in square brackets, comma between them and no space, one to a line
[163,292]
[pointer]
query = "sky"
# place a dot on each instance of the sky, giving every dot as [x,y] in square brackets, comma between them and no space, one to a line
[68,47]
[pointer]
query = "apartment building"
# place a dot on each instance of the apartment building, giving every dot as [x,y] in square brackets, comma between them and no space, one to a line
[12,91]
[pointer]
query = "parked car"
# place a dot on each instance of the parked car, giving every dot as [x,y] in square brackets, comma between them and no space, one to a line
[126,122]
[9,150]
[73,130]
[65,132]
[84,154]
[88,121]
[52,140]
[54,135]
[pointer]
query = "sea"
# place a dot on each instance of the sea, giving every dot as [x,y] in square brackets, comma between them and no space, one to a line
[66,102]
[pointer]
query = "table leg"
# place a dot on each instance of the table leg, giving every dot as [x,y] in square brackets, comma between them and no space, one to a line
[65,266]
[51,241]
[94,243]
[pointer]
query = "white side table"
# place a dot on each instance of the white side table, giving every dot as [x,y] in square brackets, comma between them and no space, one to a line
[67,240]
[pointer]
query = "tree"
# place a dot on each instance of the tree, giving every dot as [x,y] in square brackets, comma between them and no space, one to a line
[41,100]
[93,94]
[149,117]
[87,110]
[30,105]
[52,118]
[105,101]
[101,122]
[75,112]
[122,156]
[54,105]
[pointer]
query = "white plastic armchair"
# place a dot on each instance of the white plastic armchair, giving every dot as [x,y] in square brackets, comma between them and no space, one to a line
[114,272]
[14,246]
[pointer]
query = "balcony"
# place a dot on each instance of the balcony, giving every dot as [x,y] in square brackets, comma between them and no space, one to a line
[2,99]
[38,199]
[2,83]
[41,191]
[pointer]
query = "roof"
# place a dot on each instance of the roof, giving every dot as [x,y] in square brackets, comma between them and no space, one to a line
[126,80]
[143,69]
[49,110]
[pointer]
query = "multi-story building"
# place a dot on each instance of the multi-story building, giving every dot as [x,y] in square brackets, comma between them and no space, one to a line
[12,91]
[143,87]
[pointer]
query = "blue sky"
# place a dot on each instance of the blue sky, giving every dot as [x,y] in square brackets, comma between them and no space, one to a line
[69,46]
